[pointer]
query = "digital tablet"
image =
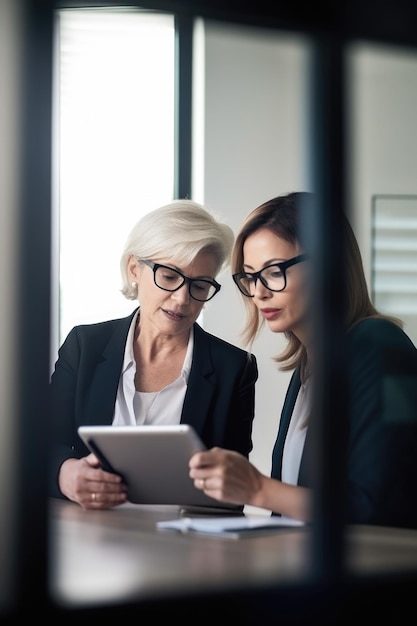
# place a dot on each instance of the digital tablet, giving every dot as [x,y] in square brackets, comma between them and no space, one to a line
[153,461]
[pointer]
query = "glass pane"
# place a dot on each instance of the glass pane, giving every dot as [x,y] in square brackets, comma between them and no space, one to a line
[114,146]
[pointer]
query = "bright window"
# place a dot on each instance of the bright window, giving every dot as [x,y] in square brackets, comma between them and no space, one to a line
[114,146]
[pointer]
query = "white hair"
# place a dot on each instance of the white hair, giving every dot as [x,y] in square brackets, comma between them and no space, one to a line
[179,230]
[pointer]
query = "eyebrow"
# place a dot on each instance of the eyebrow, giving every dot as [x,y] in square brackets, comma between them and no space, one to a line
[271,262]
[177,269]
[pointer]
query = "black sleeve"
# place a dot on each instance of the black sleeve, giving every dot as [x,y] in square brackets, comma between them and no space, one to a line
[382,451]
[62,395]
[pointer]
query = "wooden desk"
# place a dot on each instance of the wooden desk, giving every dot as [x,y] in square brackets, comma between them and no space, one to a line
[118,557]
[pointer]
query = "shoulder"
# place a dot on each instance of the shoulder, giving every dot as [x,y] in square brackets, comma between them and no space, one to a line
[220,346]
[379,331]
[383,342]
[100,329]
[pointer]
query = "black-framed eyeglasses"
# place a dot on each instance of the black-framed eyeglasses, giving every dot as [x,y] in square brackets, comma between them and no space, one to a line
[273,277]
[168,279]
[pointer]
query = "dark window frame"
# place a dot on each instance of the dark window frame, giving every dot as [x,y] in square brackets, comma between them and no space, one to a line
[331,32]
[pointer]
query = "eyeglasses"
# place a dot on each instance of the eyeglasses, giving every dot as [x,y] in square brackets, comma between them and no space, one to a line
[169,279]
[273,277]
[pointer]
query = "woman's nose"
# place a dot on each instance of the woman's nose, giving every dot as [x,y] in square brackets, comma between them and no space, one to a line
[260,291]
[182,294]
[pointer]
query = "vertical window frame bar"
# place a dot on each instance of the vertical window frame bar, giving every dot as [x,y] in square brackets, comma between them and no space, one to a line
[183,106]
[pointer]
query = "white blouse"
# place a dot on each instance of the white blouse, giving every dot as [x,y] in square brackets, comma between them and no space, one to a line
[297,430]
[161,407]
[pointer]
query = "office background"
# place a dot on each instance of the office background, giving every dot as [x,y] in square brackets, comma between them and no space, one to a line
[249,129]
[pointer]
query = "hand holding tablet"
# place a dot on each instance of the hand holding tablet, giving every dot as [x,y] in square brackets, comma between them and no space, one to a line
[153,461]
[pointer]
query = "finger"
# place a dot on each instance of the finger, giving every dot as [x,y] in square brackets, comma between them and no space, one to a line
[102,500]
[96,474]
[104,487]
[200,483]
[91,460]
[200,459]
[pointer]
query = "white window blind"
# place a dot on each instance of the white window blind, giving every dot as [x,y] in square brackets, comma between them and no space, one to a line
[114,150]
[394,252]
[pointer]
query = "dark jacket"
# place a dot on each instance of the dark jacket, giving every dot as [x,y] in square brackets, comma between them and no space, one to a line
[382,444]
[219,401]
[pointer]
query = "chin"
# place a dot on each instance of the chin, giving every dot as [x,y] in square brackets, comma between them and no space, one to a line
[277,327]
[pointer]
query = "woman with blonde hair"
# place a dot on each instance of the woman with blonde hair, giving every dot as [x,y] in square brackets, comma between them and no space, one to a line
[272,271]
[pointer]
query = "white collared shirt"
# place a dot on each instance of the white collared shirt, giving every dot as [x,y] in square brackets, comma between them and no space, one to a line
[161,407]
[297,430]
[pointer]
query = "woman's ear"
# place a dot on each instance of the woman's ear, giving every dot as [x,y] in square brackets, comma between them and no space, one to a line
[133,268]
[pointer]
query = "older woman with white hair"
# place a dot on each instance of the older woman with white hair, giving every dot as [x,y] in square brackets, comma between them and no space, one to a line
[158,365]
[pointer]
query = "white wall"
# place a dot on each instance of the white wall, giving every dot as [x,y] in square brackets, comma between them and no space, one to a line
[253,137]
[252,148]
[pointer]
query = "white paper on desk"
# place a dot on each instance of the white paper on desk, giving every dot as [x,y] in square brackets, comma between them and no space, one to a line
[228,525]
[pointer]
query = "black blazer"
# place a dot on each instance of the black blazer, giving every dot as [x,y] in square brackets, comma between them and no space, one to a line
[219,401]
[382,444]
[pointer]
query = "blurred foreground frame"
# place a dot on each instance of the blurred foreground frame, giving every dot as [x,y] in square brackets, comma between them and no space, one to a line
[27,45]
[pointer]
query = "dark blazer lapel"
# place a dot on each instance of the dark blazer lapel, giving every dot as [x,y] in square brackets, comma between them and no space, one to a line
[105,381]
[284,423]
[200,383]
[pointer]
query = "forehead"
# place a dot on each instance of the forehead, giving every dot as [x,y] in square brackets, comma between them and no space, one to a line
[204,264]
[265,246]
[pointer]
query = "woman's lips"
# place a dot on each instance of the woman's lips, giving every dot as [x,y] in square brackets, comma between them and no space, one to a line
[173,316]
[270,313]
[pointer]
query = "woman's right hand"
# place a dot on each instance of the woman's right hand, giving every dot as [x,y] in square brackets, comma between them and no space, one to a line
[83,481]
[225,475]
